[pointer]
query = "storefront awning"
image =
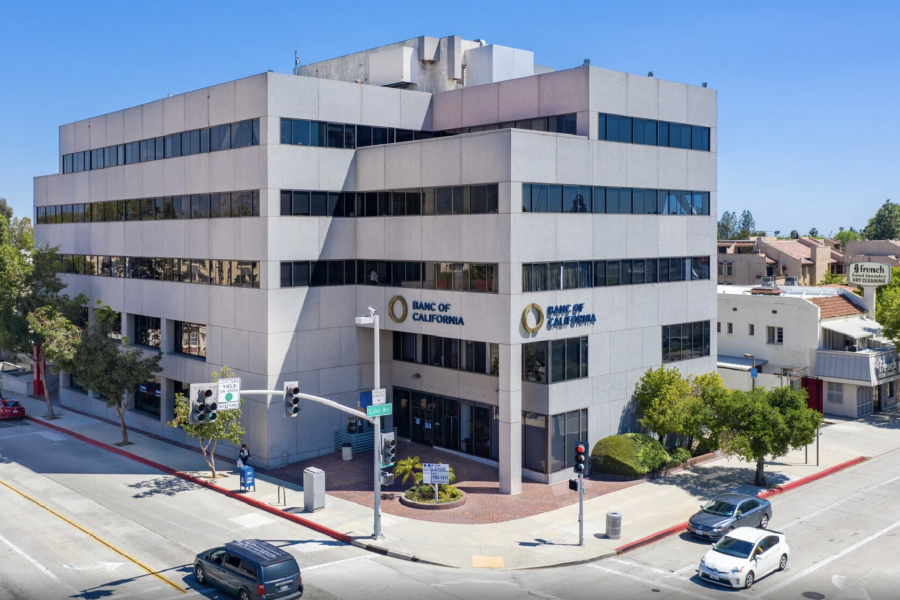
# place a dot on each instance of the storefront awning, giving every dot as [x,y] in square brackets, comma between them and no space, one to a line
[856,328]
[738,362]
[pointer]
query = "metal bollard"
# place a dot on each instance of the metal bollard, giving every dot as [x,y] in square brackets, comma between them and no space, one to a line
[613,525]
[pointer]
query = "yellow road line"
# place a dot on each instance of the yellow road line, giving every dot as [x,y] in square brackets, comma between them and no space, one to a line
[99,539]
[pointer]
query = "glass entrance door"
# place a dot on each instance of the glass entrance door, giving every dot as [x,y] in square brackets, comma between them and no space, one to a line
[422,426]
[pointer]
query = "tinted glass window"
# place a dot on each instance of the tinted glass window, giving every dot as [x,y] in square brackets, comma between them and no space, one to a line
[287,568]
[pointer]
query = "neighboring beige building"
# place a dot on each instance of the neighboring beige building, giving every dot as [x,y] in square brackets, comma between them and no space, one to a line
[746,262]
[883,251]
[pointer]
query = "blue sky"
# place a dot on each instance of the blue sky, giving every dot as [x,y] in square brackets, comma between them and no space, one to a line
[808,90]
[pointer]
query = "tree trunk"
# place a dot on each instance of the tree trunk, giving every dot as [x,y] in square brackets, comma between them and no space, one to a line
[42,376]
[121,414]
[760,471]
[212,457]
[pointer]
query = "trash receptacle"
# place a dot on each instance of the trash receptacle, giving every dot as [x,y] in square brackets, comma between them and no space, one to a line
[347,451]
[313,489]
[248,478]
[613,525]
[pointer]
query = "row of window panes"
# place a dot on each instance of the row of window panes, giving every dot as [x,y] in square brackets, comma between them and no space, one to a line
[450,353]
[452,423]
[198,141]
[550,449]
[469,199]
[147,331]
[462,277]
[615,128]
[300,132]
[190,338]
[538,197]
[234,273]
[196,206]
[147,397]
[568,360]
[685,341]
[541,277]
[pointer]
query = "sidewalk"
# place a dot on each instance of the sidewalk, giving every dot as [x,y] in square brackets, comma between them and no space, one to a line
[538,540]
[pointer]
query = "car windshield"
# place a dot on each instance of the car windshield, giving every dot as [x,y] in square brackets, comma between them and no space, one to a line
[11,403]
[280,570]
[733,547]
[719,508]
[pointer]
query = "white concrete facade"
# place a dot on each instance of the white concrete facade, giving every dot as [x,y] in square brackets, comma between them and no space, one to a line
[270,335]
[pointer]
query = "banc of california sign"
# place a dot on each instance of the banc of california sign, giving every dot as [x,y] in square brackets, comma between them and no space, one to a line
[558,317]
[869,274]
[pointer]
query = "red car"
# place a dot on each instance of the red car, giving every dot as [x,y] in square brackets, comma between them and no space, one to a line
[11,409]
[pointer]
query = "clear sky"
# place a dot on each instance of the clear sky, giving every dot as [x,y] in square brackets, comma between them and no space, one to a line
[808,90]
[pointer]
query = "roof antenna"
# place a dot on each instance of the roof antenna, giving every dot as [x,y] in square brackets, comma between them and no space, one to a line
[296,59]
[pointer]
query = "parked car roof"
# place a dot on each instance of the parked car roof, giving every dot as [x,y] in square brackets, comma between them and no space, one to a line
[262,552]
[750,534]
[733,496]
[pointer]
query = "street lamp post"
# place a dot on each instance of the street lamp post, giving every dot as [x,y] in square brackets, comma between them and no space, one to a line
[752,368]
[372,319]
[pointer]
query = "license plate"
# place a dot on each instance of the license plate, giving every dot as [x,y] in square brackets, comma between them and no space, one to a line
[714,576]
[284,588]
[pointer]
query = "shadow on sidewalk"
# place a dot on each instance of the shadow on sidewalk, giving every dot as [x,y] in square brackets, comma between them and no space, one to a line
[163,486]
[709,482]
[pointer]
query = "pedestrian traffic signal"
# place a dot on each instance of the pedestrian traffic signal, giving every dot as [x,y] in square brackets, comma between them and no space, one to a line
[388,449]
[204,408]
[291,398]
[580,449]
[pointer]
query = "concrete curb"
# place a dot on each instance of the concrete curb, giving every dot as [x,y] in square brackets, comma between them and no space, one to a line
[400,555]
[767,494]
[565,563]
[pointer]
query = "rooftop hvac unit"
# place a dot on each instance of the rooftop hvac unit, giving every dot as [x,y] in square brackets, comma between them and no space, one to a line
[852,348]
[768,282]
[398,65]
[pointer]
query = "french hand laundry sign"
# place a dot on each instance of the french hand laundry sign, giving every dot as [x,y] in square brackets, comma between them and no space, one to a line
[869,274]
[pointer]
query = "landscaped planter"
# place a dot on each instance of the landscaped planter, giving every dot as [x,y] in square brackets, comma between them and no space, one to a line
[662,472]
[433,505]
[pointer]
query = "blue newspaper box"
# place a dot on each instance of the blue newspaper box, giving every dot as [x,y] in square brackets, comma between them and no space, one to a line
[248,479]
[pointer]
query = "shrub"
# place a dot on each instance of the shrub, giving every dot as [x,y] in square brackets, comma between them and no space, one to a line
[679,457]
[628,455]
[425,493]
[705,446]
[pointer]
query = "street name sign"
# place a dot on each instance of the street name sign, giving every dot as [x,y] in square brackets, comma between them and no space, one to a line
[379,410]
[229,397]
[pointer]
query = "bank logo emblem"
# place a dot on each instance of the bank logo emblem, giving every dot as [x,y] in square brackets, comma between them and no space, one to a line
[391,313]
[540,318]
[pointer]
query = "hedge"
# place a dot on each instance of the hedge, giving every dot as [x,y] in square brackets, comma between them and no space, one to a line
[628,455]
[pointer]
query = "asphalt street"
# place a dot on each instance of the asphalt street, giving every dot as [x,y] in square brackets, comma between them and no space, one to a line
[96,525]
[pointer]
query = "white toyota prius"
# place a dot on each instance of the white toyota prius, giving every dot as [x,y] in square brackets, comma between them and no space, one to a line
[743,556]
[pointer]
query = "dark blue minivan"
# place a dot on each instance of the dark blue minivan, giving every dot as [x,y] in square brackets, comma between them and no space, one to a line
[251,570]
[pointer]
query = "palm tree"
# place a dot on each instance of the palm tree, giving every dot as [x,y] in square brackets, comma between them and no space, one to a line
[408,467]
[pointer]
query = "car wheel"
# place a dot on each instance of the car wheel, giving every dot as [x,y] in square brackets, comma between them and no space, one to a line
[200,574]
[764,521]
[782,564]
[749,581]
[244,595]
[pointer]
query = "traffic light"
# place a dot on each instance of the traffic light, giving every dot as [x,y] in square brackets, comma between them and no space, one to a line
[388,450]
[204,408]
[291,399]
[580,449]
[574,484]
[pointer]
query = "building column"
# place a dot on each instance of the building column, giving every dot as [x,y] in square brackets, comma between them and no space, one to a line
[166,400]
[587,125]
[510,418]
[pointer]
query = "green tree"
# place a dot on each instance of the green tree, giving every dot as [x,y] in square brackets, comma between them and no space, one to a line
[728,225]
[885,225]
[753,425]
[61,338]
[887,307]
[813,232]
[30,279]
[110,368]
[226,428]
[406,468]
[6,210]
[794,234]
[832,278]
[746,224]
[847,235]
[698,409]
[659,397]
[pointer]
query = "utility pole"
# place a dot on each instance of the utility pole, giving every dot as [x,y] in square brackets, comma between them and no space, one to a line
[377,439]
[752,369]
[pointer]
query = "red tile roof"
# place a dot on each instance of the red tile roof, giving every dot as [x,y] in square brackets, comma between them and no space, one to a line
[836,306]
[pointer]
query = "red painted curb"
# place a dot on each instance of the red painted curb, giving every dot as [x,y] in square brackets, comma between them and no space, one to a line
[168,470]
[767,494]
[804,480]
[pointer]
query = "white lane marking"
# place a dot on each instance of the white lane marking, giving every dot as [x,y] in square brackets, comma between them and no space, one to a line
[829,507]
[655,584]
[315,546]
[335,563]
[53,437]
[830,559]
[530,591]
[39,566]
[102,566]
[251,520]
[622,561]
[679,572]
[839,581]
[125,595]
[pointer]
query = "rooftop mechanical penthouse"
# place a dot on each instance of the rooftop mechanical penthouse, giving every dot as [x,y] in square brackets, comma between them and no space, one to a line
[534,241]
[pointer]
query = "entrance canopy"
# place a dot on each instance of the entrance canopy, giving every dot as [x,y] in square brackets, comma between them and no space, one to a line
[738,363]
[856,328]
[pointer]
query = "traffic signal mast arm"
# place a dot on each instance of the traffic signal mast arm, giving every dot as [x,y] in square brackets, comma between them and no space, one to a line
[324,401]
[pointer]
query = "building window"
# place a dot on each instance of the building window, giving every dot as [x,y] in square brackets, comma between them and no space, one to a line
[721,268]
[234,273]
[464,277]
[540,277]
[685,341]
[566,359]
[190,338]
[451,353]
[729,269]
[775,335]
[224,137]
[629,130]
[147,396]
[751,329]
[147,331]
[548,442]
[730,328]
[551,198]
[835,392]
[719,327]
[474,199]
